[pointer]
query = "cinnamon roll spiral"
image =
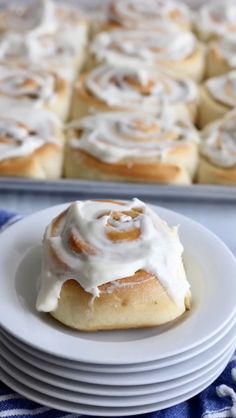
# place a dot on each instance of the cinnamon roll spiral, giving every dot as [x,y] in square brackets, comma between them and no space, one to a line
[109,265]
[216,19]
[152,14]
[218,151]
[30,146]
[174,51]
[217,97]
[132,146]
[109,88]
[36,87]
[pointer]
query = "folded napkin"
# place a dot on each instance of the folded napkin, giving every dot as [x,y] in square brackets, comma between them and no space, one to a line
[217,401]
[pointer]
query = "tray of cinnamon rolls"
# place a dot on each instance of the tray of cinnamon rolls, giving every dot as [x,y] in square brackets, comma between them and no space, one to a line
[127,92]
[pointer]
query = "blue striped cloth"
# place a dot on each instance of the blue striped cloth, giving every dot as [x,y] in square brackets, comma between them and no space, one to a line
[217,401]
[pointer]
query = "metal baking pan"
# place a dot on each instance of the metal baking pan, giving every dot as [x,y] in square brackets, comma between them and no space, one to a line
[122,190]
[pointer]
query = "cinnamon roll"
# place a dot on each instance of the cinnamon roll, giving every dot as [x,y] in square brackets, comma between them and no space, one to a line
[31,143]
[35,86]
[44,31]
[176,52]
[112,265]
[132,147]
[109,88]
[151,14]
[220,57]
[216,19]
[217,97]
[218,152]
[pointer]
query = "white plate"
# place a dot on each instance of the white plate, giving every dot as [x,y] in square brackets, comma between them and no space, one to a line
[81,391]
[99,411]
[125,368]
[140,378]
[110,401]
[207,261]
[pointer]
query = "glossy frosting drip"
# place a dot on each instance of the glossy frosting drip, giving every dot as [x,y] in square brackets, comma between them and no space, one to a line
[112,137]
[219,141]
[101,242]
[134,48]
[223,88]
[126,88]
[21,135]
[217,18]
[151,13]
[19,83]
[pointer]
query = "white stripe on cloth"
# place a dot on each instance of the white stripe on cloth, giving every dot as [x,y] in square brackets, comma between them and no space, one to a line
[9,396]
[20,412]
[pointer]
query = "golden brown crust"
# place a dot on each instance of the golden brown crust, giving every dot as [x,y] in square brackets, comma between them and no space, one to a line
[44,163]
[79,164]
[133,302]
[209,173]
[215,63]
[210,109]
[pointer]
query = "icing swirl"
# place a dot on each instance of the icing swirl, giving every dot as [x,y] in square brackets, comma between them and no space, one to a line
[152,14]
[136,48]
[219,141]
[132,88]
[217,18]
[112,137]
[21,135]
[28,84]
[97,242]
[223,88]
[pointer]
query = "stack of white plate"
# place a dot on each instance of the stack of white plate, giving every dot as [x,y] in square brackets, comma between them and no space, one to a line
[115,373]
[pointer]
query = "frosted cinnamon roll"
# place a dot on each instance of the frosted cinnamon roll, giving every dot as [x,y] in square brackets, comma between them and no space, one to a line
[220,57]
[133,147]
[40,17]
[216,19]
[174,51]
[35,86]
[218,152]
[109,88]
[217,97]
[57,51]
[31,143]
[112,265]
[151,14]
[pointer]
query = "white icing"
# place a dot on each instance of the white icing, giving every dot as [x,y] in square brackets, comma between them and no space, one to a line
[47,33]
[112,86]
[134,48]
[28,84]
[219,141]
[112,137]
[152,14]
[223,88]
[157,250]
[217,18]
[23,130]
[39,17]
[60,46]
[35,18]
